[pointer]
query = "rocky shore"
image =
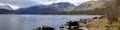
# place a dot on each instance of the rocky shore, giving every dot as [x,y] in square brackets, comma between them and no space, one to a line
[82,24]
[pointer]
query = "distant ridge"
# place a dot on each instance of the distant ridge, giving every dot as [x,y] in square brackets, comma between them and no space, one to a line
[39,9]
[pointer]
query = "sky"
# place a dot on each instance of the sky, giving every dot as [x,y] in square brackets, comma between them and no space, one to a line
[15,4]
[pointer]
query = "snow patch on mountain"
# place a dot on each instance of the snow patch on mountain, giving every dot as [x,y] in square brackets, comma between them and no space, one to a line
[6,7]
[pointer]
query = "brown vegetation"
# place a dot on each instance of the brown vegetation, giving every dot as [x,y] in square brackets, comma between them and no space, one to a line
[97,24]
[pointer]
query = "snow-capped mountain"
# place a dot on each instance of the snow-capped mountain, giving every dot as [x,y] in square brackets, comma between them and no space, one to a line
[5,7]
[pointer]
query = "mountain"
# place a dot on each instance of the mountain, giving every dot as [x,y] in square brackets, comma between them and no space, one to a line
[90,5]
[39,9]
[92,8]
[62,6]
[5,11]
[5,7]
[31,10]
[89,8]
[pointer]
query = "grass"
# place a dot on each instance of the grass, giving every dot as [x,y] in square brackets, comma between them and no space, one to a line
[97,24]
[102,24]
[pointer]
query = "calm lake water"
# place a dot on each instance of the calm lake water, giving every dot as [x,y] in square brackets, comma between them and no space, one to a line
[30,22]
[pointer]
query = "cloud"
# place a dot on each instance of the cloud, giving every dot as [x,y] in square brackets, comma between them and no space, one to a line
[21,3]
[28,3]
[12,6]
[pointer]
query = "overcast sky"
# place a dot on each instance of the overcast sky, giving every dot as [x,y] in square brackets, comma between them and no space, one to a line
[28,3]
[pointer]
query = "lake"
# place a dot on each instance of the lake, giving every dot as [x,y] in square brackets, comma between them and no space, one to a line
[30,22]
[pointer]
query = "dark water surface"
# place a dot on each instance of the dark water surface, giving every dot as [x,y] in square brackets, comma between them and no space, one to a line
[29,22]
